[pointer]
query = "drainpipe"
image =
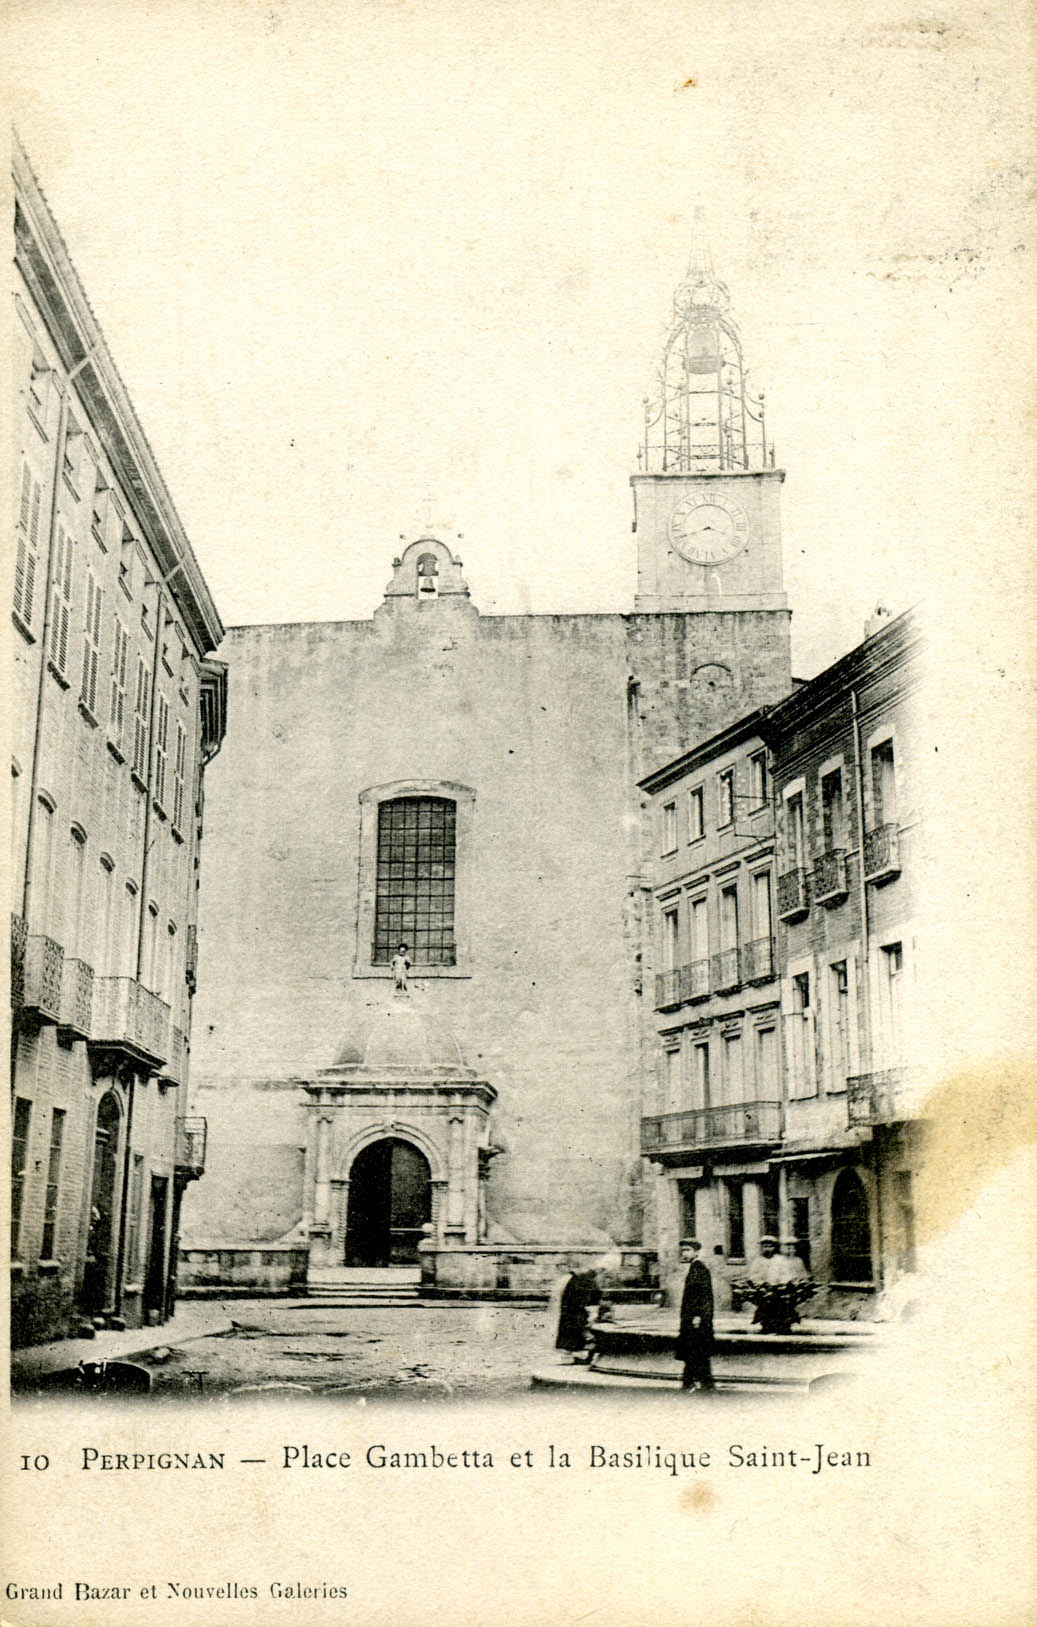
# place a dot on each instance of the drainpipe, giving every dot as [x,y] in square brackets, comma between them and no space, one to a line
[864,1006]
[858,770]
[120,1259]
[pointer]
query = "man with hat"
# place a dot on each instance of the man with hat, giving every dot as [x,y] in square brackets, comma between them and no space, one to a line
[695,1336]
[767,1268]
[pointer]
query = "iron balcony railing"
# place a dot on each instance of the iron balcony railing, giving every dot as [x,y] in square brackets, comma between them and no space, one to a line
[175,1066]
[128,1017]
[792,894]
[882,853]
[667,989]
[191,1137]
[700,1128]
[726,970]
[695,980]
[19,935]
[41,977]
[830,877]
[758,960]
[890,1096]
[77,998]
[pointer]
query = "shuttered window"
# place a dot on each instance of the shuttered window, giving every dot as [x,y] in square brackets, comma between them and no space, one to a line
[141,703]
[28,552]
[50,1207]
[117,708]
[179,769]
[91,643]
[19,1164]
[61,602]
[161,750]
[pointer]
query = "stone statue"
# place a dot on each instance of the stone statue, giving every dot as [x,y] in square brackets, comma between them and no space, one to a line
[400,969]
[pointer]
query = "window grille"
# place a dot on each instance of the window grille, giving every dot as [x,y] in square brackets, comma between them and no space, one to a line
[416,877]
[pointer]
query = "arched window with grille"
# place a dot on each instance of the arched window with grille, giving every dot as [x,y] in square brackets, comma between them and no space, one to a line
[415,878]
[415,890]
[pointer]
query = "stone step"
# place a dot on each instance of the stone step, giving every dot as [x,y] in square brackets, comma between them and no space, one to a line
[339,1302]
[363,1296]
[350,1276]
[590,1378]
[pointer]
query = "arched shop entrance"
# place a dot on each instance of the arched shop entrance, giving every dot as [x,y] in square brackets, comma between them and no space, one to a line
[390,1202]
[851,1230]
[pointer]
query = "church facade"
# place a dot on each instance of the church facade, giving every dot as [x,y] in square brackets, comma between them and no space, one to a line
[420,1031]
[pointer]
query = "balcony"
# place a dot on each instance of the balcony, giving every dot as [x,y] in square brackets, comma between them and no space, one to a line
[40,977]
[758,960]
[792,895]
[129,1019]
[667,989]
[695,980]
[703,1128]
[191,1137]
[882,853]
[830,877]
[174,1070]
[890,1097]
[726,971]
[77,999]
[18,937]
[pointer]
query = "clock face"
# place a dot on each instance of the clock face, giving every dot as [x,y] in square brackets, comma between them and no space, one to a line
[708,532]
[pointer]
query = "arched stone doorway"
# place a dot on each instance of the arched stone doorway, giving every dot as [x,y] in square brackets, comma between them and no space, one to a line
[98,1284]
[851,1230]
[390,1201]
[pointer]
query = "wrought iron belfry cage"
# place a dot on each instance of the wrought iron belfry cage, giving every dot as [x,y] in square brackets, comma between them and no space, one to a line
[704,416]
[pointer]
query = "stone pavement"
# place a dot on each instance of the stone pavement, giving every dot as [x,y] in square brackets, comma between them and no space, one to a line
[192,1320]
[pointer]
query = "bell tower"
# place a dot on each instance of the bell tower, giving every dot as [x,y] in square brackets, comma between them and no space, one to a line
[706,494]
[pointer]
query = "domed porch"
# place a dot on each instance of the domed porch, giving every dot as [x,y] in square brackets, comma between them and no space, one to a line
[398,1148]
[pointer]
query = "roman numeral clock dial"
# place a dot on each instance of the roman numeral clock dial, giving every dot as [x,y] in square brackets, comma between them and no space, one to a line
[710,532]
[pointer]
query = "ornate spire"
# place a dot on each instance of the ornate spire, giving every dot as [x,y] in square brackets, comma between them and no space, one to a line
[703,417]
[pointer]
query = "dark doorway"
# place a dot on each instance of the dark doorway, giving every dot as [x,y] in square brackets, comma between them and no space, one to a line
[155,1280]
[97,1271]
[851,1230]
[801,1228]
[390,1201]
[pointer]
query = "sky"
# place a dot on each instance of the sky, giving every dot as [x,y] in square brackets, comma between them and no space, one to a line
[361,264]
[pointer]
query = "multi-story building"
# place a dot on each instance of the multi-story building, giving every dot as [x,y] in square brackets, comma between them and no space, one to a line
[714,1108]
[114,709]
[848,761]
[784,1064]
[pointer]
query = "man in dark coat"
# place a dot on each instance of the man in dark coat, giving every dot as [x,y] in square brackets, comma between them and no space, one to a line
[579,1293]
[695,1337]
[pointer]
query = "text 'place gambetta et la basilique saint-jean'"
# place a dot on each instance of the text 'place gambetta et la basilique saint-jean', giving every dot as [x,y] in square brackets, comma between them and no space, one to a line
[519,949]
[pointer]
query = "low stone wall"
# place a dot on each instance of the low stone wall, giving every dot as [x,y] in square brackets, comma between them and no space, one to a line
[511,1269]
[253,1268]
